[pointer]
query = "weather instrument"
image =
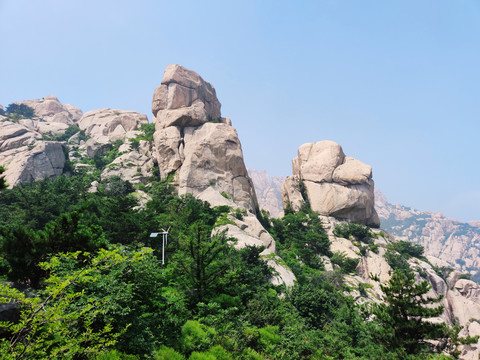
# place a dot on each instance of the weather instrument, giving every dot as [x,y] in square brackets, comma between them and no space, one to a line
[164,234]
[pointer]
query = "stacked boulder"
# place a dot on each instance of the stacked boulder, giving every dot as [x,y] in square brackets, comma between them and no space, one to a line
[195,143]
[332,183]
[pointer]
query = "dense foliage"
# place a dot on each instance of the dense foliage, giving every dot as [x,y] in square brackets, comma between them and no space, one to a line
[97,288]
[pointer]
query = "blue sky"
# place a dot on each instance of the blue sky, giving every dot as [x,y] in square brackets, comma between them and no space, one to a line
[396,83]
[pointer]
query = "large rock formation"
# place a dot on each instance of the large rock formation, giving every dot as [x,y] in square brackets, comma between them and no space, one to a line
[106,128]
[203,151]
[50,109]
[194,142]
[333,184]
[109,125]
[45,159]
[51,116]
[25,151]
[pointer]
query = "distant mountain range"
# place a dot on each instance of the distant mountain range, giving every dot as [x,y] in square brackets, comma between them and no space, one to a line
[450,240]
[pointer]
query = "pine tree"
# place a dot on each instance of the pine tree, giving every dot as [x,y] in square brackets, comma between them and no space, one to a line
[3,183]
[403,313]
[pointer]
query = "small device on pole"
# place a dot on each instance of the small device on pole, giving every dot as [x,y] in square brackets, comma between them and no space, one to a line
[164,241]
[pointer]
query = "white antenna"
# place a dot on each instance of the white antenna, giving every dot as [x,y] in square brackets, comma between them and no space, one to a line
[164,241]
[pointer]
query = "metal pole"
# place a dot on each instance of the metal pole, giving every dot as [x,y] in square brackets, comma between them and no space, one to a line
[164,241]
[163,249]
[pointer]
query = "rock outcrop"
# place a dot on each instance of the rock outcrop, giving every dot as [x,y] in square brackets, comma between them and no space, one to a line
[45,159]
[51,116]
[202,150]
[332,183]
[106,126]
[194,142]
[25,151]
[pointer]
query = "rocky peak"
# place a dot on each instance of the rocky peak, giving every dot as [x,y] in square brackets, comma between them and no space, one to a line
[184,99]
[195,143]
[334,184]
[50,109]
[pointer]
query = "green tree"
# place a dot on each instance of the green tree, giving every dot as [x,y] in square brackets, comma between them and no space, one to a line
[24,248]
[202,260]
[21,110]
[55,324]
[402,315]
[3,183]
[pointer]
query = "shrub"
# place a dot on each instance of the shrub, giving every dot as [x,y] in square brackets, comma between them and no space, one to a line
[239,213]
[357,231]
[148,131]
[407,249]
[347,265]
[166,353]
[396,260]
[196,336]
[202,356]
[116,355]
[220,353]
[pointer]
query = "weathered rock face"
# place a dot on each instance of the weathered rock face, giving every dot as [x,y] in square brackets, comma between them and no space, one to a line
[184,99]
[13,135]
[194,142]
[109,125]
[24,153]
[335,184]
[25,163]
[134,165]
[50,109]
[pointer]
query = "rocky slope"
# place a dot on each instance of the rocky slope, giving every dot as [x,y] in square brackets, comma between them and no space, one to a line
[455,242]
[461,297]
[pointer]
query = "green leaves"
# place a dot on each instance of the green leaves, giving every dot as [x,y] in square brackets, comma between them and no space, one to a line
[301,237]
[403,313]
[55,324]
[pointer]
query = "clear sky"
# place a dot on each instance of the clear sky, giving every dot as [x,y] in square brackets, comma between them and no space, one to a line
[396,83]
